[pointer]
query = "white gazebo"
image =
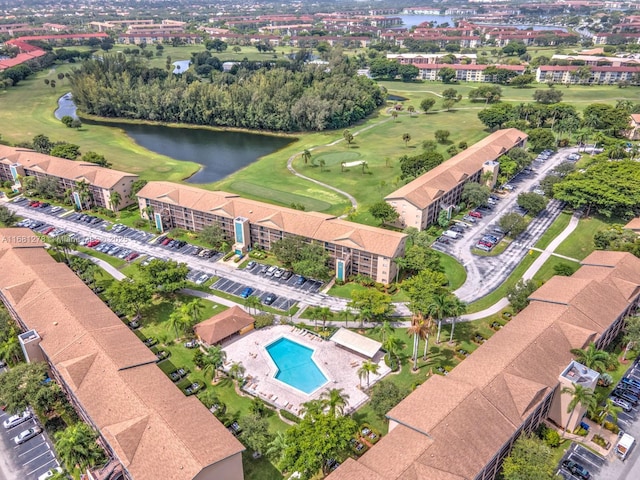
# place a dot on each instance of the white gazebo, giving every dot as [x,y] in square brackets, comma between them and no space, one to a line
[356,343]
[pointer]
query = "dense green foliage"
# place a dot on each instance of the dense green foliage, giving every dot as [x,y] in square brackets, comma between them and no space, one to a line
[518,295]
[530,459]
[274,97]
[306,259]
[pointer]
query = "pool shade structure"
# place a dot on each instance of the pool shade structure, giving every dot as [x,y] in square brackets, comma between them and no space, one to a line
[224,325]
[356,343]
[295,366]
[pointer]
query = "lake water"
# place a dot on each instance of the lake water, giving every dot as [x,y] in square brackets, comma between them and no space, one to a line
[181,66]
[413,20]
[219,153]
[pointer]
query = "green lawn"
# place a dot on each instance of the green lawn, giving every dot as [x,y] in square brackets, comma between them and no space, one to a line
[249,189]
[547,271]
[455,272]
[580,243]
[554,230]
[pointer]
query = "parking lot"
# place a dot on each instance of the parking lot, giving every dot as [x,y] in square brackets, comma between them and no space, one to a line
[31,459]
[170,245]
[235,288]
[589,460]
[261,270]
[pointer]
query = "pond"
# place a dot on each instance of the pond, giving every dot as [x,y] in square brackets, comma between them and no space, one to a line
[219,153]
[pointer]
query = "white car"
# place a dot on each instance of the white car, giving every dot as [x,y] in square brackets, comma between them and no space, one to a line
[17,419]
[27,435]
[50,473]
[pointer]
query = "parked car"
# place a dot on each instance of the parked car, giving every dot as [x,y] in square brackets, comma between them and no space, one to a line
[630,381]
[17,419]
[269,299]
[442,240]
[93,243]
[191,389]
[250,265]
[300,280]
[191,344]
[48,230]
[626,396]
[483,247]
[271,271]
[246,293]
[132,256]
[622,404]
[475,213]
[278,273]
[576,469]
[287,275]
[27,435]
[202,278]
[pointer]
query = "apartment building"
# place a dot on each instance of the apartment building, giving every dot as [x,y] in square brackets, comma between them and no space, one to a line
[595,60]
[353,248]
[432,58]
[148,427]
[420,201]
[158,37]
[464,73]
[462,426]
[18,163]
[602,75]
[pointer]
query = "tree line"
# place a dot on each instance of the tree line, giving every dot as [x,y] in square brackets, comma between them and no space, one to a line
[274,97]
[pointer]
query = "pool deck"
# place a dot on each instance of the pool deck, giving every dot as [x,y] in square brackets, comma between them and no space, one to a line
[340,366]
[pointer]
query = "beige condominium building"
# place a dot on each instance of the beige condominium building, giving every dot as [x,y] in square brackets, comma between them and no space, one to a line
[353,248]
[148,427]
[462,426]
[18,163]
[420,201]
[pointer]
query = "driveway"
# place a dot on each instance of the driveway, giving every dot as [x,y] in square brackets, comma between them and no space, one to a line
[484,274]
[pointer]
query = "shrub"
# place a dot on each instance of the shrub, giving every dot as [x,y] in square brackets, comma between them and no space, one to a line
[391,362]
[598,440]
[139,223]
[580,431]
[289,416]
[605,380]
[551,438]
[380,287]
[612,427]
[391,289]
[228,256]
[264,320]
[237,259]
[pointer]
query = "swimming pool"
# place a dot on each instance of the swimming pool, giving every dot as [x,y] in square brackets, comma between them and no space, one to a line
[295,365]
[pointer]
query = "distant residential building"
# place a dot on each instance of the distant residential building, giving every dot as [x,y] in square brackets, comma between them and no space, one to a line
[150,38]
[602,38]
[55,27]
[353,248]
[19,163]
[634,127]
[427,58]
[420,201]
[603,75]
[596,60]
[464,73]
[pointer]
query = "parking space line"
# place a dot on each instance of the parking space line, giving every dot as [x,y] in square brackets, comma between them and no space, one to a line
[48,452]
[586,459]
[32,449]
[53,460]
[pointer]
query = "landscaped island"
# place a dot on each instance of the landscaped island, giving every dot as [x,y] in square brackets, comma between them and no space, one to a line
[282,97]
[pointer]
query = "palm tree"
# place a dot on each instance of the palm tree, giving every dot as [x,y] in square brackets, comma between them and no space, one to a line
[194,310]
[213,359]
[77,445]
[64,245]
[608,409]
[336,400]
[579,396]
[277,446]
[459,308]
[345,314]
[178,321]
[625,105]
[392,344]
[440,307]
[252,302]
[419,331]
[314,314]
[114,199]
[411,109]
[313,408]
[84,193]
[598,138]
[325,313]
[362,373]
[306,156]
[10,349]
[368,367]
[322,163]
[592,357]
[406,138]
[236,370]
[384,330]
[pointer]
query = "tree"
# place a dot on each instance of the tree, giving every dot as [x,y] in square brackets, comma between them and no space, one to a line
[136,187]
[315,440]
[214,236]
[580,395]
[336,400]
[164,276]
[564,269]
[130,296]
[530,459]
[512,224]
[518,295]
[475,194]
[255,433]
[406,138]
[21,384]
[532,202]
[213,360]
[442,305]
[77,445]
[7,217]
[427,104]
[541,139]
[522,81]
[366,369]
[383,212]
[93,157]
[178,321]
[307,259]
[419,288]
[67,121]
[372,304]
[384,396]
[277,446]
[42,144]
[65,150]
[592,357]
[606,411]
[418,258]
[631,334]
[408,72]
[348,136]
[306,156]
[447,74]
[414,166]
[236,370]
[549,96]
[488,93]
[497,115]
[114,199]
[418,330]
[442,136]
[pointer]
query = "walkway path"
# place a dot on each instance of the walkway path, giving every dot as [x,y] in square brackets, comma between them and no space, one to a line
[351,198]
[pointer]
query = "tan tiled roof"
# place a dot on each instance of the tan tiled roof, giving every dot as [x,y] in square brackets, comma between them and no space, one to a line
[422,191]
[222,325]
[154,429]
[314,225]
[63,168]
[450,427]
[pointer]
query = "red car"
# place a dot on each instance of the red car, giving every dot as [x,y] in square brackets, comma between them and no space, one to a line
[475,214]
[93,243]
[132,256]
[48,230]
[34,204]
[167,240]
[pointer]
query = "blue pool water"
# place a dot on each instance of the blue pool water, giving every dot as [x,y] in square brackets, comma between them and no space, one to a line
[295,366]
